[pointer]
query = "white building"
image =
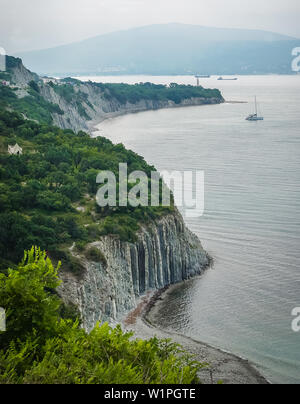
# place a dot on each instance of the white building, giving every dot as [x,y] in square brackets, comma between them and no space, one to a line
[15,150]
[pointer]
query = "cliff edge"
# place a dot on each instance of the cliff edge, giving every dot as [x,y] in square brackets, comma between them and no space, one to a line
[72,104]
[166,253]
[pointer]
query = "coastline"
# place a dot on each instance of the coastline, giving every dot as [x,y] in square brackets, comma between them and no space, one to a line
[93,125]
[224,367]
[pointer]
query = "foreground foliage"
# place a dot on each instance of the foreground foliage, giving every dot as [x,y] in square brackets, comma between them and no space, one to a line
[40,347]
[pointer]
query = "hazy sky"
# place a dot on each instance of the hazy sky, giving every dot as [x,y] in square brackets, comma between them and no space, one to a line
[36,24]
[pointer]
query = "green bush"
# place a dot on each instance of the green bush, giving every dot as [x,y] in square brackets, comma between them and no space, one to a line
[28,307]
[81,245]
[40,347]
[69,263]
[93,231]
[123,226]
[33,84]
[69,311]
[95,255]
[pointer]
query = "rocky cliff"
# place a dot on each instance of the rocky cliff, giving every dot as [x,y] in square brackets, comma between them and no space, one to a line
[165,253]
[83,105]
[99,107]
[19,75]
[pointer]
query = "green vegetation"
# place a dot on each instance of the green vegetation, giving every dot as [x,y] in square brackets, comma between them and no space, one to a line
[47,198]
[148,91]
[34,106]
[12,62]
[94,254]
[34,85]
[47,195]
[29,100]
[40,347]
[5,76]
[75,98]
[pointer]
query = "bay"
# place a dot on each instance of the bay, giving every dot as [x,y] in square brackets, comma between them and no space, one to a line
[251,224]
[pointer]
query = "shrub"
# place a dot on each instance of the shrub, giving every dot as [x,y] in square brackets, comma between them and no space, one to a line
[81,245]
[94,254]
[69,311]
[93,231]
[69,263]
[42,348]
[23,295]
[121,225]
[34,86]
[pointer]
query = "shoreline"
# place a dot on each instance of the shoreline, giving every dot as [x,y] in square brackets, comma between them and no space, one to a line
[225,367]
[93,124]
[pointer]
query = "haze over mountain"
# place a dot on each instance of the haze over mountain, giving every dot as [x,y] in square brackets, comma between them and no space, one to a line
[169,49]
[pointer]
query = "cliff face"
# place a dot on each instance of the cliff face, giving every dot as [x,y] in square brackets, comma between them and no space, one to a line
[165,253]
[89,104]
[20,76]
[99,107]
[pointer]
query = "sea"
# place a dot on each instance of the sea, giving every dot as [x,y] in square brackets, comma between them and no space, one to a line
[251,220]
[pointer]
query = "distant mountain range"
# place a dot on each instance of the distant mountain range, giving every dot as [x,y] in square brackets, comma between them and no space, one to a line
[169,49]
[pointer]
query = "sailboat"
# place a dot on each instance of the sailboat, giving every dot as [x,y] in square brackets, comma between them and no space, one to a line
[255,117]
[221,78]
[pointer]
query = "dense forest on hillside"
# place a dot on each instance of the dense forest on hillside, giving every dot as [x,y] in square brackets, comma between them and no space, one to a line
[47,194]
[157,92]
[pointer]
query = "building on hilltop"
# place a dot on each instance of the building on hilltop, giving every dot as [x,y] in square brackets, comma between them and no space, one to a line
[15,150]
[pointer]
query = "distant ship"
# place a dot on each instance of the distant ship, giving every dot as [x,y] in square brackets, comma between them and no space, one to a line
[202,76]
[255,117]
[221,78]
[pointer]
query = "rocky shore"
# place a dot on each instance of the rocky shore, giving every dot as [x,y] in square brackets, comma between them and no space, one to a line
[223,367]
[166,252]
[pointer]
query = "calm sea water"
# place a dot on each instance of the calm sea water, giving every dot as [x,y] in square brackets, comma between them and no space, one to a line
[251,224]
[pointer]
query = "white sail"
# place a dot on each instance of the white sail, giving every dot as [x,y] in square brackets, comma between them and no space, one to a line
[255,117]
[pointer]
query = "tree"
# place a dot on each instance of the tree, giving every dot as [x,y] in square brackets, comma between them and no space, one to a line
[34,86]
[42,348]
[26,296]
